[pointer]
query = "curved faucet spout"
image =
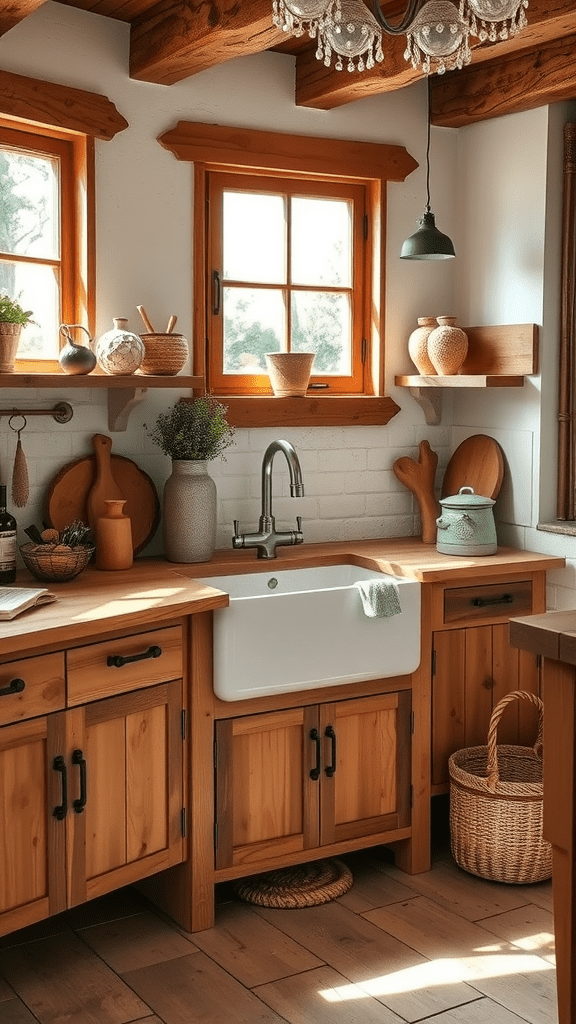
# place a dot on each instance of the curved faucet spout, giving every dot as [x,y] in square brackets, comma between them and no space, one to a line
[296,484]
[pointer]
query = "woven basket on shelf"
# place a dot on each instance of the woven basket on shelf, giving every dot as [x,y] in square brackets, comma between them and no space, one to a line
[496,806]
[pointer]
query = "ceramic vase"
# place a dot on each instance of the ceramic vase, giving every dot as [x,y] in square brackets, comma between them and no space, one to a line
[418,345]
[119,351]
[75,358]
[9,341]
[189,512]
[447,346]
[114,548]
[289,373]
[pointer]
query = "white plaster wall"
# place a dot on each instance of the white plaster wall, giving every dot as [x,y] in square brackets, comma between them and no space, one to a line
[145,253]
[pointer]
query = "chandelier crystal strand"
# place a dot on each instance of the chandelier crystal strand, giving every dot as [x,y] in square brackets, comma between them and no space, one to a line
[355,35]
[298,16]
[438,39]
[494,19]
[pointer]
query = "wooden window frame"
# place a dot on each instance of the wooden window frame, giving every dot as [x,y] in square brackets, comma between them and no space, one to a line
[76,219]
[352,192]
[216,148]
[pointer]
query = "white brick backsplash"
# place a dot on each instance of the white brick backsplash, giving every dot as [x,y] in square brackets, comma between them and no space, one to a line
[342,506]
[389,504]
[364,482]
[351,460]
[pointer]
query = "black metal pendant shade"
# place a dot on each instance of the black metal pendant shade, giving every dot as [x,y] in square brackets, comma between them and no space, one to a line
[427,243]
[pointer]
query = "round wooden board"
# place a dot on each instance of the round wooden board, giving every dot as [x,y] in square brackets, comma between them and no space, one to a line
[67,493]
[479,463]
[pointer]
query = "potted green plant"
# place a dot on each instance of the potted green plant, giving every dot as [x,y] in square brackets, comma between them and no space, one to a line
[191,433]
[12,319]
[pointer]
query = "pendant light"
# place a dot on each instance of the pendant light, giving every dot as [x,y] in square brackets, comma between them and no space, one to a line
[427,243]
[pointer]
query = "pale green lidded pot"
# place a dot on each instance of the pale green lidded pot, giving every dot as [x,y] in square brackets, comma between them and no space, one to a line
[466,526]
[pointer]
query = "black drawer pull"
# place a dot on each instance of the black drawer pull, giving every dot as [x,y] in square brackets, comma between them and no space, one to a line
[119,660]
[331,768]
[481,602]
[14,686]
[59,765]
[78,758]
[315,772]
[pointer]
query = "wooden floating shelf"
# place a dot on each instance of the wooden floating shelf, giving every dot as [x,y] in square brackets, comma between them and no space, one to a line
[125,392]
[498,357]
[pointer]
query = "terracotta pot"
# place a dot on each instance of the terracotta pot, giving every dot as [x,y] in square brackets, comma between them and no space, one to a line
[114,549]
[289,373]
[9,341]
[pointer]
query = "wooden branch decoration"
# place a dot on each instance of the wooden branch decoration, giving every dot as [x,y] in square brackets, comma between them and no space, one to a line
[418,477]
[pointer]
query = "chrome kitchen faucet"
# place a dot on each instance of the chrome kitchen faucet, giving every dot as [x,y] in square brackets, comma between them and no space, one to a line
[268,538]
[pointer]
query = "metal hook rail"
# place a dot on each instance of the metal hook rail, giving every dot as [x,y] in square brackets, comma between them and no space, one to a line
[62,412]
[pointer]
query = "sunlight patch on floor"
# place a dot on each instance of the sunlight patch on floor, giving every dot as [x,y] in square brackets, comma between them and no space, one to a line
[440,972]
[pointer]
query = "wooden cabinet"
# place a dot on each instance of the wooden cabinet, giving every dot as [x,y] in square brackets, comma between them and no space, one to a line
[474,666]
[91,796]
[308,777]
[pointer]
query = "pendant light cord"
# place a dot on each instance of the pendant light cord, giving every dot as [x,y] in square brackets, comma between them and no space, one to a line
[428,149]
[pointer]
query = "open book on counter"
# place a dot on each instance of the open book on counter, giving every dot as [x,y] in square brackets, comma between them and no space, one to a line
[14,600]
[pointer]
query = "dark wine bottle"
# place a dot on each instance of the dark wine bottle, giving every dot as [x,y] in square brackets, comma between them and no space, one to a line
[8,541]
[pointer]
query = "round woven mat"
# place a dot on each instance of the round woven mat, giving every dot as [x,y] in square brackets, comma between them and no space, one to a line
[304,885]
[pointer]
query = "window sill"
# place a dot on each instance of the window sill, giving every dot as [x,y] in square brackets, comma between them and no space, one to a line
[311,411]
[566,527]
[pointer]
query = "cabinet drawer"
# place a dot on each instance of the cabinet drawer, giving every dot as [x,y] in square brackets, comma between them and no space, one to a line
[489,601]
[31,687]
[127,663]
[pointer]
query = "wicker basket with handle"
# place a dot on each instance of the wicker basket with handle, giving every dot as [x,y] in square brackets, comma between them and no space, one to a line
[496,806]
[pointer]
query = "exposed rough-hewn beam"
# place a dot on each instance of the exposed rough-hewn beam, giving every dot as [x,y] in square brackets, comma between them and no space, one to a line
[59,106]
[14,11]
[324,88]
[528,79]
[175,39]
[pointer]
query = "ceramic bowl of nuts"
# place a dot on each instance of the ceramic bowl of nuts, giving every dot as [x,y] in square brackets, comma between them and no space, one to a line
[59,557]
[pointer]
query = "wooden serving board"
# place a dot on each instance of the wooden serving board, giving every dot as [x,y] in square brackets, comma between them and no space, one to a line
[479,463]
[66,497]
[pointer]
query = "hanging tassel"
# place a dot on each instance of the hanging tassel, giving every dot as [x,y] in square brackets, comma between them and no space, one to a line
[20,486]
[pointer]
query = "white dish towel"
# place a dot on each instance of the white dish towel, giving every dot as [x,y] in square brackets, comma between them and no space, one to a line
[380,598]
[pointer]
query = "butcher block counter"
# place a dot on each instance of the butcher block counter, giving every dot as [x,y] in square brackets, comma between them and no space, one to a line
[553,637]
[109,726]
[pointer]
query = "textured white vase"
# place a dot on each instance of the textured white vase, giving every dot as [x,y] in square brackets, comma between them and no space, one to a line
[120,351]
[189,512]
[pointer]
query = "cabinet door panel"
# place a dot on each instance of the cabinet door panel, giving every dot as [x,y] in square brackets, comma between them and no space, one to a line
[448,705]
[366,766]
[131,826]
[267,804]
[478,685]
[32,879]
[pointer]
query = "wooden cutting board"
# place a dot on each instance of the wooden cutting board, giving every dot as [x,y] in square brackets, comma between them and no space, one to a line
[66,497]
[479,463]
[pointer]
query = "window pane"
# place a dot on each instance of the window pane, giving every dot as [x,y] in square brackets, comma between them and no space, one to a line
[254,323]
[322,242]
[34,287]
[322,323]
[254,238]
[29,212]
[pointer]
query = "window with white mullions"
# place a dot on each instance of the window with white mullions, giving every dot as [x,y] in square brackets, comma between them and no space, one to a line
[287,272]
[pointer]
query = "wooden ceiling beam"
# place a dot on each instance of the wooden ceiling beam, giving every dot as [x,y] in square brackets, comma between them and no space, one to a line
[175,39]
[14,11]
[324,88]
[527,79]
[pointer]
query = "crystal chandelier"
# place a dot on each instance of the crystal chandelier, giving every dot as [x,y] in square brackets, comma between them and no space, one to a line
[437,31]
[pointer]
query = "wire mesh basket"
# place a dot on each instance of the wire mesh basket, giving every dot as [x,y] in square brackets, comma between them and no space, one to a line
[53,566]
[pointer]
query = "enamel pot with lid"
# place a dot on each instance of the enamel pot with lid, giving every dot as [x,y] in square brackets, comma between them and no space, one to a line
[466,526]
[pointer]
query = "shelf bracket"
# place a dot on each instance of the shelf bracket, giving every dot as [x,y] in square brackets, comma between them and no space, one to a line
[121,401]
[431,401]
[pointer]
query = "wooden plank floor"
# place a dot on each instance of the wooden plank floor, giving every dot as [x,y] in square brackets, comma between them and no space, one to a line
[441,948]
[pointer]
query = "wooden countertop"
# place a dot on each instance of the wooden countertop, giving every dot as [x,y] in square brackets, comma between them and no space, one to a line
[551,634]
[155,590]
